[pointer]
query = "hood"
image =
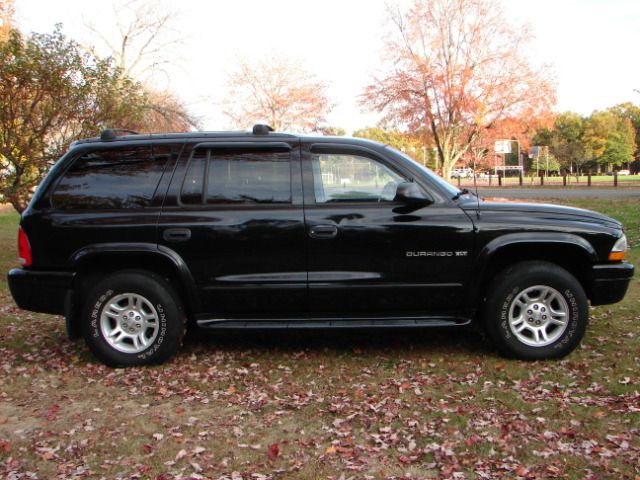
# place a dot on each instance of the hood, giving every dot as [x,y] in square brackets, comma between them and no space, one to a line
[545,210]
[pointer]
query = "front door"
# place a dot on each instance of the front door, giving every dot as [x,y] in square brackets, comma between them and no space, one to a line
[367,255]
[234,215]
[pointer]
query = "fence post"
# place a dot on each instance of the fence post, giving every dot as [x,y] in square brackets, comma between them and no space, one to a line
[499,179]
[458,180]
[520,178]
[542,180]
[564,180]
[615,179]
[589,179]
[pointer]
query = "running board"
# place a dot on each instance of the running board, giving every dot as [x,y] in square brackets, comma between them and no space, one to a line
[233,324]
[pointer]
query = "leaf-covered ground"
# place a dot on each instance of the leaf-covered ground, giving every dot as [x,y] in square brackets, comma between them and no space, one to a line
[322,405]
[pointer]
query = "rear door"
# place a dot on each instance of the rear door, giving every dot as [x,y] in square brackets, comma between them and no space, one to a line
[367,255]
[234,214]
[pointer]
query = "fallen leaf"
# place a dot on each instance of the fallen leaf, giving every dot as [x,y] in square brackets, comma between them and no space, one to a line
[273,451]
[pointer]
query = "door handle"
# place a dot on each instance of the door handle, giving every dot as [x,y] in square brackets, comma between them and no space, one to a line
[177,234]
[323,231]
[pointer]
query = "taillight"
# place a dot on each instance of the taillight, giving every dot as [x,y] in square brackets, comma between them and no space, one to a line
[24,249]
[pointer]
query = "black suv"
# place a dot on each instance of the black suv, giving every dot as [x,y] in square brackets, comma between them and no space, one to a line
[133,238]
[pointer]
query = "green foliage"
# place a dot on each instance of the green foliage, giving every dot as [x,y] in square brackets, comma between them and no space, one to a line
[606,138]
[409,144]
[52,92]
[565,141]
[609,139]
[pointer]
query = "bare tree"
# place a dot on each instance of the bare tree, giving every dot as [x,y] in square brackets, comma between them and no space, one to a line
[143,37]
[141,45]
[278,91]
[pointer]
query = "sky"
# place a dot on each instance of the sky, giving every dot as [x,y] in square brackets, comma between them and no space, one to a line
[591,45]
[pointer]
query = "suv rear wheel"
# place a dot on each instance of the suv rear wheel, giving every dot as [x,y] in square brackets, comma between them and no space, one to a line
[536,310]
[133,317]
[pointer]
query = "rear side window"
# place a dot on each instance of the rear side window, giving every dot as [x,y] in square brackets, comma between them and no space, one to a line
[110,179]
[219,178]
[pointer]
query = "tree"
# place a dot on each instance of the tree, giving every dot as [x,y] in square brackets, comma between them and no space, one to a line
[142,43]
[409,144]
[632,112]
[565,141]
[332,131]
[456,67]
[6,19]
[279,92]
[609,139]
[51,92]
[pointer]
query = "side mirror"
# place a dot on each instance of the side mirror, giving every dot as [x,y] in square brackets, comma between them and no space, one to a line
[410,194]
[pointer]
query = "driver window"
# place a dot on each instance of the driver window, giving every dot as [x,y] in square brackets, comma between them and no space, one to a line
[352,178]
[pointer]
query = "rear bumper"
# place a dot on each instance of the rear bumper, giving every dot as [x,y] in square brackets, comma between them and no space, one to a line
[40,291]
[609,282]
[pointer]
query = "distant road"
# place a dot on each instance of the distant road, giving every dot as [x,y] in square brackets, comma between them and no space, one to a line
[510,192]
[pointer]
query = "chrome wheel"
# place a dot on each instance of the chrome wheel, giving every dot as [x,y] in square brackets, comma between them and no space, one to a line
[538,316]
[129,323]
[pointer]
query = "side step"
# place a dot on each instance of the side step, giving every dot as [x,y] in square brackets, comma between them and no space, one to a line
[257,324]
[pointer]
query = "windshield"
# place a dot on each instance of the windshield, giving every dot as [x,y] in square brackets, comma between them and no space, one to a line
[439,180]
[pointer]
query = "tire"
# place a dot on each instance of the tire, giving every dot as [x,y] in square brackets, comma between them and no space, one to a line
[535,310]
[133,317]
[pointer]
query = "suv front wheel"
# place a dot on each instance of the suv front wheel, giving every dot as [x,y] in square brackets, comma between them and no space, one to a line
[536,310]
[133,317]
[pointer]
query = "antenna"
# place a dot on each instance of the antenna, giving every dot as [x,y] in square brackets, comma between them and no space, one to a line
[475,187]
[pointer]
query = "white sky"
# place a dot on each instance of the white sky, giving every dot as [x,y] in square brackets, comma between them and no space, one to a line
[592,45]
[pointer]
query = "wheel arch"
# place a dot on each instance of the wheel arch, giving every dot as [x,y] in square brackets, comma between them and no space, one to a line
[569,251]
[94,261]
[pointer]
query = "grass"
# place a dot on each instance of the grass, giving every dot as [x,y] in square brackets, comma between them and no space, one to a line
[323,405]
[597,181]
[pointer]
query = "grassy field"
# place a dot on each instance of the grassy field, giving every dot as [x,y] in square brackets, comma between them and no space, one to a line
[329,405]
[597,181]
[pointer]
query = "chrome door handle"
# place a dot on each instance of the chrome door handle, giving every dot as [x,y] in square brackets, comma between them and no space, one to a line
[323,231]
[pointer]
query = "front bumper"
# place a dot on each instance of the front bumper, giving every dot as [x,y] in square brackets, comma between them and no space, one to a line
[609,282]
[40,291]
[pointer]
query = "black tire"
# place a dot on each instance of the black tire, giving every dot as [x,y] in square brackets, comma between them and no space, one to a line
[154,297]
[509,299]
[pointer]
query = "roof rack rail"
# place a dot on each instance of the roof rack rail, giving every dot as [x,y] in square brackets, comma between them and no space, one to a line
[261,129]
[112,133]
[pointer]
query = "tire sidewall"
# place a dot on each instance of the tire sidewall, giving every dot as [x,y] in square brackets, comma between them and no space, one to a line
[511,285]
[170,318]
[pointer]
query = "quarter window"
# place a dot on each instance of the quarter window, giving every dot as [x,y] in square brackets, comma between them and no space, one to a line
[352,178]
[237,178]
[110,179]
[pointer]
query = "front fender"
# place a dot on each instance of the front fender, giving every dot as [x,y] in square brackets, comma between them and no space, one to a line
[530,242]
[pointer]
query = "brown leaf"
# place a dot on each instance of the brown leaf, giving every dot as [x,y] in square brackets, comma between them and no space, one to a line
[146,448]
[273,451]
[4,445]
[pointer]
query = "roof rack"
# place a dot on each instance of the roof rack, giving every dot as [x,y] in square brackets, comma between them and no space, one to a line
[261,129]
[112,133]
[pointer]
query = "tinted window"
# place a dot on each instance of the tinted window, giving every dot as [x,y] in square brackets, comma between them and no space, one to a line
[238,178]
[352,178]
[110,179]
[194,179]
